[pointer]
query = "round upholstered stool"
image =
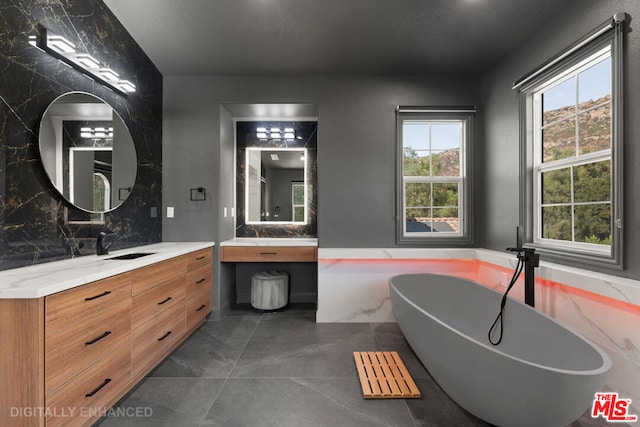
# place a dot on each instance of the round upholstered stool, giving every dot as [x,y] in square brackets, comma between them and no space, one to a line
[269,290]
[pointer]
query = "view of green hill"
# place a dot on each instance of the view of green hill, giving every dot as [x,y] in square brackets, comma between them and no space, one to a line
[588,221]
[591,222]
[594,129]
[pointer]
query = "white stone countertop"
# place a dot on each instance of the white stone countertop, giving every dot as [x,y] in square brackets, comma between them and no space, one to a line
[39,280]
[270,241]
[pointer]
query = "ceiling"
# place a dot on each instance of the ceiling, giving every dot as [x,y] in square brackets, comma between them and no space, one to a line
[285,159]
[329,37]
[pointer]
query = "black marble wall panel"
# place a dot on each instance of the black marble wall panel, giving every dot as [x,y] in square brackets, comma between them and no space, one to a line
[306,137]
[34,218]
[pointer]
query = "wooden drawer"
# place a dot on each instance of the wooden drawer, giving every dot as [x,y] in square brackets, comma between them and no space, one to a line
[155,340]
[88,393]
[199,302]
[269,253]
[72,350]
[69,307]
[199,278]
[152,275]
[157,301]
[199,258]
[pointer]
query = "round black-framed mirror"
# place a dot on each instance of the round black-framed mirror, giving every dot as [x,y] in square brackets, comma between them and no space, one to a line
[87,152]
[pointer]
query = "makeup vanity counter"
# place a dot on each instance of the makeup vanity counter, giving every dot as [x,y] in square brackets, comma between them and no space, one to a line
[78,334]
[269,250]
[242,257]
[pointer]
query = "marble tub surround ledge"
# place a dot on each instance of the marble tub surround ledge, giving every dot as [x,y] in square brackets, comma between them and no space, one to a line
[442,260]
[614,287]
[40,280]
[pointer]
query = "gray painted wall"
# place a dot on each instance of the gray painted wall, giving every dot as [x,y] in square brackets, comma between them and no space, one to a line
[356,143]
[499,112]
[356,148]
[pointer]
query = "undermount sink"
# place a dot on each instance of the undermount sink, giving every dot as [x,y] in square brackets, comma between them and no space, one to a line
[132,255]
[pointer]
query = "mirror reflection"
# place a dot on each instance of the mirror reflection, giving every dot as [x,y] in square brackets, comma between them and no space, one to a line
[87,152]
[276,188]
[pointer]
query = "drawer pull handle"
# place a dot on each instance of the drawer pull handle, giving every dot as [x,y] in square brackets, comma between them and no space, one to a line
[105,293]
[164,336]
[201,307]
[200,258]
[200,281]
[268,253]
[167,300]
[107,381]
[95,340]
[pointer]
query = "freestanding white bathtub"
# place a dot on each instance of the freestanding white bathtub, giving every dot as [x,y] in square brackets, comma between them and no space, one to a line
[541,374]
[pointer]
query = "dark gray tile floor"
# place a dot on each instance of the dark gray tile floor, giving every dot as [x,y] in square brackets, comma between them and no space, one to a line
[283,369]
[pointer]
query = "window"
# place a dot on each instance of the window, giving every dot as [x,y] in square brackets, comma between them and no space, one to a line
[101,192]
[297,201]
[573,170]
[433,200]
[572,142]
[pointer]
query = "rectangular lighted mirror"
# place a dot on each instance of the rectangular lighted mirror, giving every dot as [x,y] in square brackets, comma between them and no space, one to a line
[276,189]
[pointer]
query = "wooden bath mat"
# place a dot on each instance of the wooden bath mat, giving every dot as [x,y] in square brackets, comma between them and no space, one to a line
[384,376]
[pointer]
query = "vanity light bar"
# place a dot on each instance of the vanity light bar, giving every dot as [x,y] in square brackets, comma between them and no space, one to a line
[60,44]
[109,74]
[96,133]
[62,49]
[263,133]
[127,86]
[87,60]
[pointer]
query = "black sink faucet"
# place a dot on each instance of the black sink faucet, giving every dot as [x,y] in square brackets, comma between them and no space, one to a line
[102,248]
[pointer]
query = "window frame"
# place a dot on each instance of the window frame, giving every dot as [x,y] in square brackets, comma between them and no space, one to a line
[463,115]
[609,35]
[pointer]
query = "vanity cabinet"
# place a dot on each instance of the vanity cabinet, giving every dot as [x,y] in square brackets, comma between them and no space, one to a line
[67,357]
[242,258]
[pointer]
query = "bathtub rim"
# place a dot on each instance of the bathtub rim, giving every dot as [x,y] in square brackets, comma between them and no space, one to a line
[607,362]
